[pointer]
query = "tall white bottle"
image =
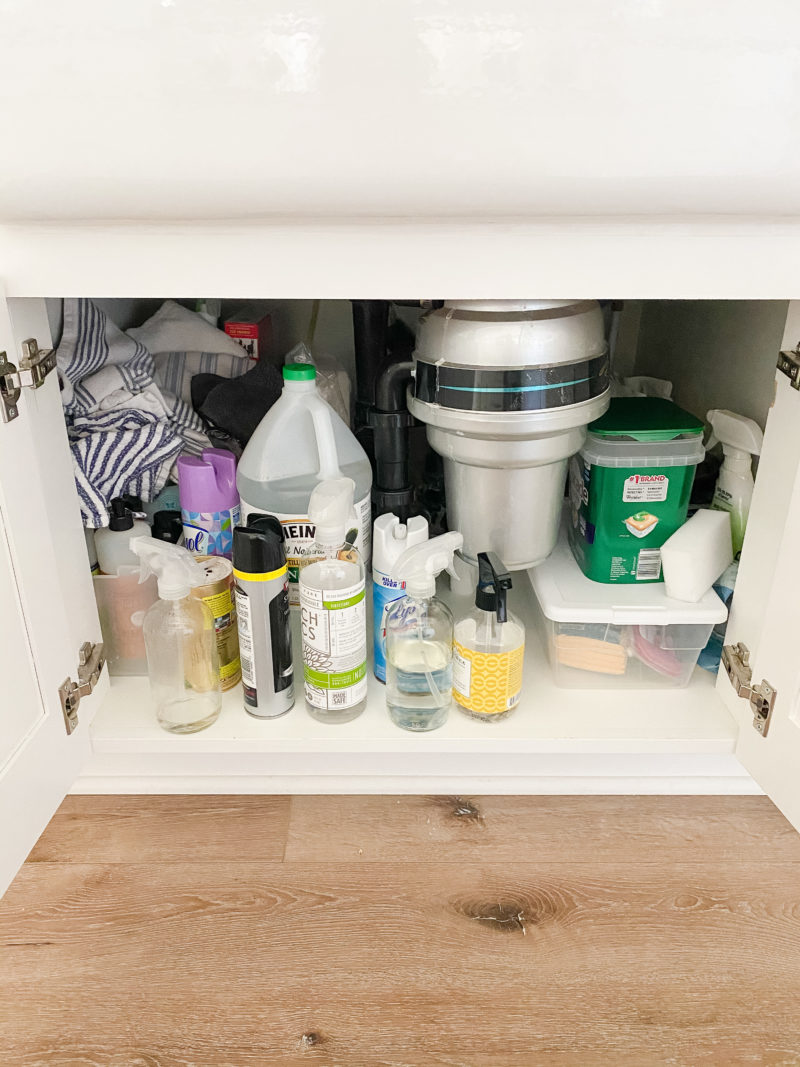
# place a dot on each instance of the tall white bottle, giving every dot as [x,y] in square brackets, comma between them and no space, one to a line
[741,439]
[333,611]
[300,442]
[390,539]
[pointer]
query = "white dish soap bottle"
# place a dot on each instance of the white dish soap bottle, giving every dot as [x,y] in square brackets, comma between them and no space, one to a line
[179,638]
[333,610]
[419,638]
[489,648]
[113,542]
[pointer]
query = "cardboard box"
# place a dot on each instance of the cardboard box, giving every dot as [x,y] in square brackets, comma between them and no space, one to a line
[251,327]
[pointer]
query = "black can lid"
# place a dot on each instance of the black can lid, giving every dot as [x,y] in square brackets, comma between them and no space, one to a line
[168,526]
[258,547]
[120,517]
[493,583]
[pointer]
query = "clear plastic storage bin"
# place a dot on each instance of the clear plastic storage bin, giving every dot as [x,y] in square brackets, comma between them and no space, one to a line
[121,603]
[617,636]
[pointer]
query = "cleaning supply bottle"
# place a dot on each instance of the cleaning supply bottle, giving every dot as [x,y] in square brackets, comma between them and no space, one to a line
[419,638]
[489,647]
[741,438]
[390,539]
[300,442]
[262,612]
[333,610]
[112,542]
[209,501]
[179,638]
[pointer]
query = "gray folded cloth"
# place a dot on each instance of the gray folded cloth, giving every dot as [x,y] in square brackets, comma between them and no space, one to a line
[236,406]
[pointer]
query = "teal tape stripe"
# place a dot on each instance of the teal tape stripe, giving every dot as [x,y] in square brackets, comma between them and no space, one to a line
[512,389]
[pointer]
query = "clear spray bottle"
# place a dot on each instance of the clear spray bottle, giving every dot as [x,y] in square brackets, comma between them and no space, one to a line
[179,638]
[419,638]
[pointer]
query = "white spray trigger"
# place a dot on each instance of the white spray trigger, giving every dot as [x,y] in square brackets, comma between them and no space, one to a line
[418,566]
[177,570]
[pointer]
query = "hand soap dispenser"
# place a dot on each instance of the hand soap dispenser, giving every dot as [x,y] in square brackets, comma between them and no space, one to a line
[179,638]
[489,648]
[419,638]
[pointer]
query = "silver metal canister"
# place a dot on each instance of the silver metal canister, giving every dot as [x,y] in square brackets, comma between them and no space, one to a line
[262,609]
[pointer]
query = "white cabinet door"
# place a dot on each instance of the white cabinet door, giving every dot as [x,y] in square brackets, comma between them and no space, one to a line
[38,650]
[765,613]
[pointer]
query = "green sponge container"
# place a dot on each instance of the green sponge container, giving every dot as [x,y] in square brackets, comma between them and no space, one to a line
[629,488]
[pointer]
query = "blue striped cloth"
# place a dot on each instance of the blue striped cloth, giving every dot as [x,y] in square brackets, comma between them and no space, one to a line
[125,432]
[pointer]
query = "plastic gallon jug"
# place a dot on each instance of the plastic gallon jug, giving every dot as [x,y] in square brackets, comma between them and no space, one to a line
[630,487]
[300,442]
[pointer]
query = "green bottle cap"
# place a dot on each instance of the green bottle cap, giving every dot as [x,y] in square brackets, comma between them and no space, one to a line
[299,372]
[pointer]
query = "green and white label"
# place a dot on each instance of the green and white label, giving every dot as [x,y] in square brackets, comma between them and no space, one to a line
[334,646]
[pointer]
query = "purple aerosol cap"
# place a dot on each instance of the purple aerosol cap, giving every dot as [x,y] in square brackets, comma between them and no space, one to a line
[208,483]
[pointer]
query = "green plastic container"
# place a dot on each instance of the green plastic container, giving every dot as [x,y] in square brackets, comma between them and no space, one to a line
[630,487]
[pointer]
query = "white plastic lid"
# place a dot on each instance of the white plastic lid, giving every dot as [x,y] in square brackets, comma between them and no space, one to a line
[615,452]
[329,509]
[565,594]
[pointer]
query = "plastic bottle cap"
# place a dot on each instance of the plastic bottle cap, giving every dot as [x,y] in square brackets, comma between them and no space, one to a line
[299,372]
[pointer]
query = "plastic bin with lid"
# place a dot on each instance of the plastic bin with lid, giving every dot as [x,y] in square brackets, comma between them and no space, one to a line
[617,637]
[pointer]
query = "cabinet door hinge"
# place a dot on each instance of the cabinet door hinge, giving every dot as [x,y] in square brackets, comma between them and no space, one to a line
[34,366]
[91,660]
[789,364]
[736,661]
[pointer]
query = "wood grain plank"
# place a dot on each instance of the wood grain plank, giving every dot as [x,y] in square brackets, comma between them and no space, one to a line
[401,964]
[165,829]
[589,829]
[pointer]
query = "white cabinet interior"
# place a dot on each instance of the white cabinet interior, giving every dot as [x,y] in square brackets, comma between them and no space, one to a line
[719,353]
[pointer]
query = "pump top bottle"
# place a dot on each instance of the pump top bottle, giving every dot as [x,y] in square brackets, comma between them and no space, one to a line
[333,609]
[112,542]
[741,439]
[179,638]
[419,638]
[489,647]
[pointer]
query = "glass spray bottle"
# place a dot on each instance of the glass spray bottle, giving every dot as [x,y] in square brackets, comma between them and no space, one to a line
[419,638]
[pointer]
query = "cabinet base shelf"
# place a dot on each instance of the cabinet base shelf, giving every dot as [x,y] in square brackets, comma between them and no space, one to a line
[558,741]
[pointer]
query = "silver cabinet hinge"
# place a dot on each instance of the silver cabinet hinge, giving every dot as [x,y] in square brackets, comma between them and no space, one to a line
[91,660]
[736,661]
[34,366]
[789,364]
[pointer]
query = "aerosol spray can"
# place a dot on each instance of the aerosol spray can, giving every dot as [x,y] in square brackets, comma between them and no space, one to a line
[262,607]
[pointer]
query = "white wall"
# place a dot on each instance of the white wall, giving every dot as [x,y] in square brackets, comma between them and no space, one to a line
[718,353]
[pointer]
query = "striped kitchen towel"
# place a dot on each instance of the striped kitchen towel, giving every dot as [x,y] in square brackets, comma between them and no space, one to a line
[125,432]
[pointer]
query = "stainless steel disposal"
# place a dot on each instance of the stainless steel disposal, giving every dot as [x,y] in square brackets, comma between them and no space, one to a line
[507,388]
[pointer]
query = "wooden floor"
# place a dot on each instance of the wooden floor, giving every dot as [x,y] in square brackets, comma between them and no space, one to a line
[371,931]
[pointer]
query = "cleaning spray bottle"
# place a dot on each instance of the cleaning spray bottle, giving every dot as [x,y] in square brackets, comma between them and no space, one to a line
[741,439]
[489,647]
[179,638]
[390,539]
[333,610]
[419,638]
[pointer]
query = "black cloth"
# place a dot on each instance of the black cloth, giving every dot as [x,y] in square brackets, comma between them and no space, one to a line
[233,407]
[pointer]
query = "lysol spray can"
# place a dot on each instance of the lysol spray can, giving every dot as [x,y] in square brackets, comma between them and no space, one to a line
[390,539]
[262,606]
[217,593]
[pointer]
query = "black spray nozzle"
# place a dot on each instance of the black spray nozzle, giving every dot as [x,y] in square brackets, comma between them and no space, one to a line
[258,520]
[494,581]
[258,546]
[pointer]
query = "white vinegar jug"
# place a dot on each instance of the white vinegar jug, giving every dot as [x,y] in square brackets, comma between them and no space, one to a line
[300,442]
